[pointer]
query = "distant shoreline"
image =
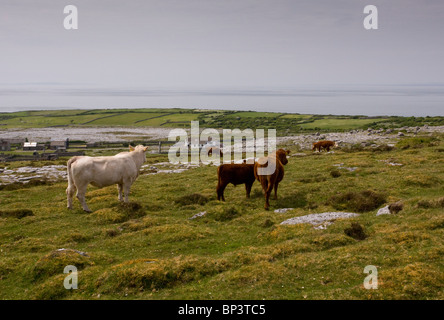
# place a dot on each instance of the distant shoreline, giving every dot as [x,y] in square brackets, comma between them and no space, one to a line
[368,100]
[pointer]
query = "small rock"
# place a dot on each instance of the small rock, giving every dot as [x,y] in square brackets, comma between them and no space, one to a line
[384,210]
[283,210]
[197,215]
[400,134]
[320,220]
[72,250]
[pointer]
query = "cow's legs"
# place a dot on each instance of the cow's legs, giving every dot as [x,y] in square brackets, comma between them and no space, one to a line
[220,191]
[81,191]
[276,190]
[120,189]
[126,190]
[248,188]
[266,186]
[70,191]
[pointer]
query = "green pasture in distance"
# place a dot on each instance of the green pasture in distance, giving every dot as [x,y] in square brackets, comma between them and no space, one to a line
[335,123]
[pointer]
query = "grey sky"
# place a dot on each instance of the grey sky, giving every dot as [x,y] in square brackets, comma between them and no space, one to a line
[220,43]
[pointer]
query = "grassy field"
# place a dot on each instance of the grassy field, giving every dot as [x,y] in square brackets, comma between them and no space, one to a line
[150,249]
[283,123]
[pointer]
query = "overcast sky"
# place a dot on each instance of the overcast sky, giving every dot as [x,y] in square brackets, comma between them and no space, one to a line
[220,44]
[126,49]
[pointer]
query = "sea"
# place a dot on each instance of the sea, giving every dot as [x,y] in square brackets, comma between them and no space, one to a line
[368,100]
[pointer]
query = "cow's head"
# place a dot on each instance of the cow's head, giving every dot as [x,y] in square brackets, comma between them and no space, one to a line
[281,154]
[138,148]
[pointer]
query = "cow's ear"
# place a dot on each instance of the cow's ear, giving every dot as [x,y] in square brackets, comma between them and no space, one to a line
[288,152]
[131,148]
[145,149]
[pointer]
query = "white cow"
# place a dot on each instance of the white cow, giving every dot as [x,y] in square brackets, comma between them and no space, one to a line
[121,169]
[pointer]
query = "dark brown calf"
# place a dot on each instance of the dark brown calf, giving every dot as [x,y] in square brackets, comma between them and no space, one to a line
[324,144]
[271,180]
[235,174]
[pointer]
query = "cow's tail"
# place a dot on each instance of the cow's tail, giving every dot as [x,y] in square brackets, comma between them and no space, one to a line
[219,174]
[69,170]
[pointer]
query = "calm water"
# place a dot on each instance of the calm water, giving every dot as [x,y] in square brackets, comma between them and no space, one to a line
[405,100]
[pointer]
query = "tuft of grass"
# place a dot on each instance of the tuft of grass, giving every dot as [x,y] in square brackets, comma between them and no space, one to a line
[357,147]
[190,199]
[293,200]
[224,213]
[383,148]
[19,185]
[149,275]
[360,201]
[54,263]
[335,173]
[267,223]
[429,204]
[356,231]
[416,142]
[17,213]
[416,280]
[111,233]
[328,241]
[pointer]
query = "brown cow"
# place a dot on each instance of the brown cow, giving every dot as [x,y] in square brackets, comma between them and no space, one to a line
[235,174]
[217,150]
[324,144]
[279,159]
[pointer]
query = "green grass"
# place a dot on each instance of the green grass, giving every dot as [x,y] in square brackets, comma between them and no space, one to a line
[171,118]
[150,249]
[335,124]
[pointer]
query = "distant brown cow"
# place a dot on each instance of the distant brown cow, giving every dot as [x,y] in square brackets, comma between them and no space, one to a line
[268,181]
[216,150]
[324,144]
[235,174]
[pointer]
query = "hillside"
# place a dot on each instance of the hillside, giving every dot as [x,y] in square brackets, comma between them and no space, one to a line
[151,249]
[284,123]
